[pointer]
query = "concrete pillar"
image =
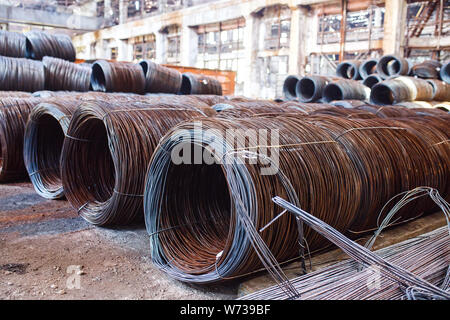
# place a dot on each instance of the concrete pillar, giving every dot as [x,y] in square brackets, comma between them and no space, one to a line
[188,46]
[248,68]
[298,36]
[394,26]
[125,50]
[123,11]
[160,39]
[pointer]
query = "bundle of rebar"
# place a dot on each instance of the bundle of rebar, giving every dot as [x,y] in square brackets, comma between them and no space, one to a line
[110,76]
[13,118]
[18,74]
[200,84]
[64,75]
[41,44]
[107,149]
[12,44]
[160,79]
[200,232]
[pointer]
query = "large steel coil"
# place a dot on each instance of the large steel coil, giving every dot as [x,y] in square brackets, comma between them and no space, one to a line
[15,94]
[349,69]
[345,90]
[41,44]
[390,66]
[107,150]
[64,75]
[367,68]
[109,76]
[200,84]
[445,72]
[342,171]
[441,90]
[13,118]
[44,136]
[160,79]
[12,44]
[289,87]
[372,80]
[310,88]
[18,74]
[428,69]
[400,89]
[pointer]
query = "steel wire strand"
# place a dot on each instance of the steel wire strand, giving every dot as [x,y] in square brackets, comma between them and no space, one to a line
[177,244]
[13,118]
[106,151]
[43,140]
[64,75]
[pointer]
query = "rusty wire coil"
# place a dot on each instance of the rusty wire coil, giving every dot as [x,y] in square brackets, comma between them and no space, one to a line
[64,75]
[197,230]
[106,152]
[289,87]
[12,44]
[428,69]
[110,76]
[251,109]
[13,118]
[18,74]
[200,84]
[441,90]
[15,94]
[305,108]
[368,68]
[349,104]
[41,44]
[345,90]
[372,80]
[400,89]
[390,66]
[349,69]
[44,136]
[310,88]
[160,79]
[445,72]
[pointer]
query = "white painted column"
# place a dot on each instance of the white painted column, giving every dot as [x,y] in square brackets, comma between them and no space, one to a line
[394,27]
[188,46]
[294,42]
[248,67]
[160,47]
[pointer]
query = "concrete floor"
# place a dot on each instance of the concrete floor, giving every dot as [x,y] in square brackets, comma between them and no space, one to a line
[48,252]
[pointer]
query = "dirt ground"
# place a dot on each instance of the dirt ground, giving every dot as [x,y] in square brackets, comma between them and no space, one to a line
[48,252]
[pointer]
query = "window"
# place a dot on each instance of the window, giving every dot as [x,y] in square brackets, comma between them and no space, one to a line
[144,47]
[113,53]
[277,20]
[272,73]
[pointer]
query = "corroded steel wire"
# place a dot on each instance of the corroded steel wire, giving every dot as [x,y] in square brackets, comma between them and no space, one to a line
[18,74]
[44,136]
[368,68]
[390,66]
[110,76]
[200,84]
[41,44]
[428,69]
[349,69]
[345,90]
[13,117]
[106,152]
[310,88]
[64,75]
[400,89]
[441,90]
[289,87]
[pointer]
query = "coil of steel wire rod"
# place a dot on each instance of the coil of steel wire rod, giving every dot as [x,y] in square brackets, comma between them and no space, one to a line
[15,94]
[41,44]
[349,69]
[200,233]
[106,150]
[200,84]
[44,136]
[109,76]
[160,79]
[345,90]
[18,74]
[400,89]
[428,69]
[249,109]
[441,90]
[341,111]
[64,75]
[372,80]
[310,88]
[305,108]
[13,117]
[368,68]
[289,87]
[12,44]
[445,72]
[390,66]
[348,104]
